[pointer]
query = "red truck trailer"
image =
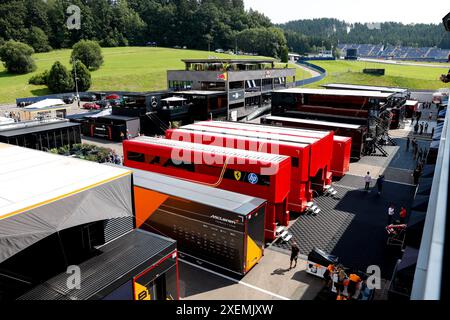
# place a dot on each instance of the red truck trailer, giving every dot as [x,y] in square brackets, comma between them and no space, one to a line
[255,174]
[358,133]
[321,145]
[342,148]
[300,193]
[348,106]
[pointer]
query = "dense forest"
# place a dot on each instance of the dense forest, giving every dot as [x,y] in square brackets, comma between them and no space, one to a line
[303,35]
[196,24]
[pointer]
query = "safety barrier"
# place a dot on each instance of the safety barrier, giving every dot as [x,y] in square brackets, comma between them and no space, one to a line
[322,71]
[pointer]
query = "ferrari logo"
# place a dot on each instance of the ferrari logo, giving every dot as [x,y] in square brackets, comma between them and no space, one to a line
[238,175]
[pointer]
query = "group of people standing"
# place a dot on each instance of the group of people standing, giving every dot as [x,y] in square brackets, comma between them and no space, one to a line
[391,215]
[427,105]
[368,182]
[12,115]
[421,128]
[114,158]
[420,155]
[338,273]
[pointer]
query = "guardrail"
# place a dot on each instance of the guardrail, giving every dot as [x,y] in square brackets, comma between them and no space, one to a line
[322,71]
[428,278]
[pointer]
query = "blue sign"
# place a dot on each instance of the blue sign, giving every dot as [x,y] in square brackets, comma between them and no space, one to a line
[253,178]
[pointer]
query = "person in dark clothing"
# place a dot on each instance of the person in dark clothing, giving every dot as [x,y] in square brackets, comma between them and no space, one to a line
[408,142]
[341,276]
[416,128]
[380,184]
[328,275]
[416,176]
[421,129]
[419,116]
[295,250]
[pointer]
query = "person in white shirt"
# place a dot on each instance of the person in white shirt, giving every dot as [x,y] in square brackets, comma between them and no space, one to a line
[368,181]
[391,213]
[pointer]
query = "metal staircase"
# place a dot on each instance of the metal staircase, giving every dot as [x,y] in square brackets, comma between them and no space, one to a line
[160,125]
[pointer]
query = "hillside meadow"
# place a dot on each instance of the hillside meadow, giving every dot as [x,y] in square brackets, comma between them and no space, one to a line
[125,69]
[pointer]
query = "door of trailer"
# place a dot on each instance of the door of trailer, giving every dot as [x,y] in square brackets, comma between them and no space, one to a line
[159,282]
[255,238]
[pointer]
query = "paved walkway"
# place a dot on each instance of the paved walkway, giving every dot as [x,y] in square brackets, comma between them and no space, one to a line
[352,224]
[271,279]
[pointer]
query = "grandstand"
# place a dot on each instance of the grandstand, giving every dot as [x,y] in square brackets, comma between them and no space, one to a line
[397,52]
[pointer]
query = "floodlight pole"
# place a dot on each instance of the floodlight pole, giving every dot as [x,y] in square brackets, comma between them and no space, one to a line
[76,78]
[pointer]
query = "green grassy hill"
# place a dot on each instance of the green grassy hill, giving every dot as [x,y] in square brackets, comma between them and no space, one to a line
[413,77]
[125,69]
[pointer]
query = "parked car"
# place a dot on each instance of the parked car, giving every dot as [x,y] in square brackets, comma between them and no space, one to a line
[69,99]
[115,102]
[220,51]
[88,97]
[112,97]
[104,104]
[91,106]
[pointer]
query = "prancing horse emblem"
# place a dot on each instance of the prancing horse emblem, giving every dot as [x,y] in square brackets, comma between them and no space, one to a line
[238,175]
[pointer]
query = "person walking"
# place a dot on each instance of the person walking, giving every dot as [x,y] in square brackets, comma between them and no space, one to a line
[368,181]
[408,142]
[416,128]
[295,250]
[391,213]
[380,184]
[430,117]
[421,129]
[416,175]
[426,128]
[328,275]
[403,215]
[416,151]
[419,157]
[414,145]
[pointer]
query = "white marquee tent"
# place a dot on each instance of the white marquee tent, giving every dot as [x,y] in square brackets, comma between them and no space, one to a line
[42,193]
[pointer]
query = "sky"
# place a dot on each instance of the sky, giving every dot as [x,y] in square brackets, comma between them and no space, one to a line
[412,11]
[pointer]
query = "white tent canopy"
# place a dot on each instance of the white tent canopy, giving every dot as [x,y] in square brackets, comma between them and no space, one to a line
[173,99]
[42,193]
[4,120]
[47,103]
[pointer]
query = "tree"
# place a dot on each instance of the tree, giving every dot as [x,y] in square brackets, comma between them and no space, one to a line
[39,79]
[284,56]
[83,76]
[89,52]
[59,79]
[38,40]
[263,41]
[16,57]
